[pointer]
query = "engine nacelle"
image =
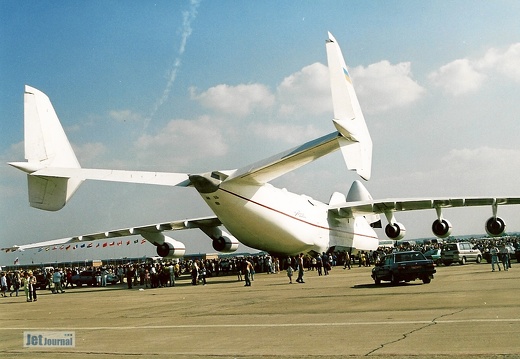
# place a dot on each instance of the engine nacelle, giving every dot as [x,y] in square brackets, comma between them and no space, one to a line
[171,248]
[495,226]
[395,231]
[225,244]
[441,228]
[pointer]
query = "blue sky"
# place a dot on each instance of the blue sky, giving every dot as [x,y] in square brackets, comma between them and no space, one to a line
[194,86]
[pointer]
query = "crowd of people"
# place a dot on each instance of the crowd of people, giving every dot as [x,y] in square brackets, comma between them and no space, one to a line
[164,274]
[14,282]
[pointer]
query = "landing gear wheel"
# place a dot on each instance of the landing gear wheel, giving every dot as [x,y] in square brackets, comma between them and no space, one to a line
[394,280]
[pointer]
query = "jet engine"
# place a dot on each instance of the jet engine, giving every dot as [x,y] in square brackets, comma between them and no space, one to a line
[395,231]
[171,248]
[222,241]
[166,246]
[441,228]
[225,244]
[495,226]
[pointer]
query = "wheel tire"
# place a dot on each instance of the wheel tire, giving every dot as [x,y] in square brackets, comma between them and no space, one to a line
[394,280]
[447,263]
[426,280]
[377,280]
[463,261]
[479,259]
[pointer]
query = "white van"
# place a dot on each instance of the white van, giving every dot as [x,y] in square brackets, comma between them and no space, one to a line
[461,252]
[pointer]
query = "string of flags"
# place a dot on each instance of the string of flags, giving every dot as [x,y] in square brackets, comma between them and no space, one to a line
[67,247]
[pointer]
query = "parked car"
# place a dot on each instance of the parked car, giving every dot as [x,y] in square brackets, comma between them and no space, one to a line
[403,266]
[460,252]
[41,281]
[112,278]
[434,255]
[88,277]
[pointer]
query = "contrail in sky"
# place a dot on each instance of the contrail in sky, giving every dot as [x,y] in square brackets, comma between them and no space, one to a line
[188,17]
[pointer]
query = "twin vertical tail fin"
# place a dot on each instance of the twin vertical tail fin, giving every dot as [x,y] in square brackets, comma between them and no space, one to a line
[355,143]
[46,146]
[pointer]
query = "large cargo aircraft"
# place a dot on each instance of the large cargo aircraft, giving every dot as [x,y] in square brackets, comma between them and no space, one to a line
[247,209]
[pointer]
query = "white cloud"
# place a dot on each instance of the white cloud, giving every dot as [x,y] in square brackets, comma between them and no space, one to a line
[240,100]
[484,159]
[458,77]
[504,62]
[181,142]
[468,75]
[306,91]
[288,133]
[383,86]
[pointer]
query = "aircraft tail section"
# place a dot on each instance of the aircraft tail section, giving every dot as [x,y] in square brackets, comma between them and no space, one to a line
[355,143]
[46,146]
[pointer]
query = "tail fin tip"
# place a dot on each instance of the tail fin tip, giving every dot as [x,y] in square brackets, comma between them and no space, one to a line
[356,144]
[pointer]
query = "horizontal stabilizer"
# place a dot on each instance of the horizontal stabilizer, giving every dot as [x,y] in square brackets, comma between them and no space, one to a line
[144,177]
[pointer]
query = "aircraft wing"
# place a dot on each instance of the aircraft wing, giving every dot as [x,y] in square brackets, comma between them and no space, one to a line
[284,162]
[362,208]
[203,222]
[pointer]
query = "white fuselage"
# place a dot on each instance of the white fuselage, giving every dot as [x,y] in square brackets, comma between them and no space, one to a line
[278,221]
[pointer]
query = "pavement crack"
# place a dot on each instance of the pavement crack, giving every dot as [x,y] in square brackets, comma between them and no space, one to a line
[405,335]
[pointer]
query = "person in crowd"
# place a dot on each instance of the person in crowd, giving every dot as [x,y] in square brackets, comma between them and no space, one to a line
[3,284]
[325,261]
[56,279]
[247,266]
[319,265]
[301,271]
[16,282]
[252,270]
[202,273]
[97,274]
[147,282]
[32,287]
[239,269]
[69,278]
[347,261]
[290,272]
[26,283]
[494,258]
[270,265]
[194,273]
[504,256]
[104,275]
[171,274]
[130,272]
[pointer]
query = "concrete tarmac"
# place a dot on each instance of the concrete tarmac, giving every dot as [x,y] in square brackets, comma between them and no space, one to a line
[465,312]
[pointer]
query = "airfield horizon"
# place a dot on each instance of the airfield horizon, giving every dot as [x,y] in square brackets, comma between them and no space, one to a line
[466,311]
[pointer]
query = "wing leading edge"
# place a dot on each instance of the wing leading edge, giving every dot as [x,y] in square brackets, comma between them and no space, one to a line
[385,206]
[145,231]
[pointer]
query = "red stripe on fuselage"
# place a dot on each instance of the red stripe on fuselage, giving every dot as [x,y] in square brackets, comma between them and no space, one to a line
[292,217]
